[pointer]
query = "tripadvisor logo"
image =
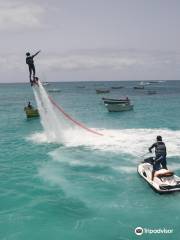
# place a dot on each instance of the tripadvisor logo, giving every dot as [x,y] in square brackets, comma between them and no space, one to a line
[138,231]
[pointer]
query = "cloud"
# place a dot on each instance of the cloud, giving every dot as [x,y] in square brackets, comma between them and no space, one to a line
[88,62]
[72,62]
[126,62]
[16,15]
[115,60]
[11,62]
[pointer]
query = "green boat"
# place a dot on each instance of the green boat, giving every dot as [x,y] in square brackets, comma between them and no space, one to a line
[31,112]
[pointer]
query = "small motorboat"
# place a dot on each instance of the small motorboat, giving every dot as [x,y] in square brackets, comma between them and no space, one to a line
[54,90]
[31,112]
[164,180]
[117,87]
[100,91]
[155,82]
[144,83]
[139,87]
[119,107]
[45,83]
[114,101]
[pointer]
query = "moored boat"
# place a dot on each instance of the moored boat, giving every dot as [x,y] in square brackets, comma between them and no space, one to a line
[45,83]
[155,82]
[31,112]
[99,91]
[54,90]
[117,87]
[144,83]
[113,100]
[139,87]
[119,107]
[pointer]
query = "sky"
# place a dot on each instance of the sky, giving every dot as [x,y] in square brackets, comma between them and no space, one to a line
[90,40]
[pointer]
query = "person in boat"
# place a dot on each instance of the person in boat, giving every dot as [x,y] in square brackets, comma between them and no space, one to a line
[127,99]
[160,152]
[30,63]
[29,105]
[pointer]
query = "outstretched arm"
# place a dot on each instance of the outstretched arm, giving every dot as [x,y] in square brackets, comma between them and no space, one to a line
[36,53]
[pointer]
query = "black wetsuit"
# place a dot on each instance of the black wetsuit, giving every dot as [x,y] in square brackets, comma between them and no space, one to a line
[30,106]
[30,63]
[160,151]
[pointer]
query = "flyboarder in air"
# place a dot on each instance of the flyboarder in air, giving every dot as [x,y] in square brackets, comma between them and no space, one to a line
[30,63]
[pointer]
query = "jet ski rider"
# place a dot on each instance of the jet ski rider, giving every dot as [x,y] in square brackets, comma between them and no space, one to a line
[160,152]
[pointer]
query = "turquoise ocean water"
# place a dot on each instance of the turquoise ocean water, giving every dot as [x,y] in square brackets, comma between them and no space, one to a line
[86,188]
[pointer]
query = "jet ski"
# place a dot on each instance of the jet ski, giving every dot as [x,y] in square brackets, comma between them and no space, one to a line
[164,180]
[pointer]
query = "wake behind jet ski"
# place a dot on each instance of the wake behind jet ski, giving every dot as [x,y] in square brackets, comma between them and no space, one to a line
[164,180]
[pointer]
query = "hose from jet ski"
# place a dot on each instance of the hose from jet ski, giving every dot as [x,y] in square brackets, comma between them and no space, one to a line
[144,155]
[73,120]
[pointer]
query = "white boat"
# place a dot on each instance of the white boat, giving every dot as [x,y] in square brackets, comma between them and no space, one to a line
[114,100]
[54,90]
[156,82]
[45,83]
[164,180]
[144,83]
[118,107]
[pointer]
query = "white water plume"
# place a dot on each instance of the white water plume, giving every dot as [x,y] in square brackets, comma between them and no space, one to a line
[56,123]
[52,121]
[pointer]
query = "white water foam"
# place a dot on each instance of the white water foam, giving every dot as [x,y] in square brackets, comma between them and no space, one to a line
[126,141]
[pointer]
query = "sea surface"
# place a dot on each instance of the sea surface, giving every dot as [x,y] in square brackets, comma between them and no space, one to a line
[86,186]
